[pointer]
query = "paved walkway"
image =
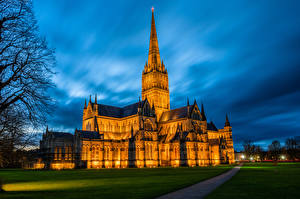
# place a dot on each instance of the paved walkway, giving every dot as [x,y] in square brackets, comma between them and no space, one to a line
[201,189]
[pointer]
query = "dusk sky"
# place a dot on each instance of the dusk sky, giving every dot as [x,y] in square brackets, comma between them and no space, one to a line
[237,57]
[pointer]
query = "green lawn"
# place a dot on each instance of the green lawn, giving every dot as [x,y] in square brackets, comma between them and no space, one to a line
[104,183]
[262,180]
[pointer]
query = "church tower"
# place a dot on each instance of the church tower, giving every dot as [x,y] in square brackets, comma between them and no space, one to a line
[155,83]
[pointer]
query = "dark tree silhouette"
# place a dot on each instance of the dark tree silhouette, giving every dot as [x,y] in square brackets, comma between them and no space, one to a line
[292,148]
[275,150]
[25,75]
[249,148]
[259,153]
[25,62]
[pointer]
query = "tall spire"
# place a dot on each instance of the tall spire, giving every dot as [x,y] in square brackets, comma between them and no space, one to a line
[155,83]
[153,57]
[227,123]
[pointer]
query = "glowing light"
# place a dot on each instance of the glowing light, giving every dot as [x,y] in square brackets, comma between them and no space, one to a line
[95,164]
[243,157]
[49,185]
[251,158]
[152,9]
[39,166]
[283,157]
[60,166]
[107,164]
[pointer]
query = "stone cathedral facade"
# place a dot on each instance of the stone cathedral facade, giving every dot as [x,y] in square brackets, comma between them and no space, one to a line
[144,134]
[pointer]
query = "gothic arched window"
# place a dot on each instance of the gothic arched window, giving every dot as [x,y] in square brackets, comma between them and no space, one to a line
[138,152]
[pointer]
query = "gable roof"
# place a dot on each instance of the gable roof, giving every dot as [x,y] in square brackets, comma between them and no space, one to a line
[211,126]
[62,135]
[118,112]
[110,111]
[174,114]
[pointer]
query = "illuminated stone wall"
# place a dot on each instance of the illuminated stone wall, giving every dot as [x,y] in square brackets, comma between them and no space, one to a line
[183,142]
[144,148]
[224,137]
[155,88]
[114,129]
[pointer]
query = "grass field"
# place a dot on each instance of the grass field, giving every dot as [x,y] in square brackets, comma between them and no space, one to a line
[104,183]
[262,180]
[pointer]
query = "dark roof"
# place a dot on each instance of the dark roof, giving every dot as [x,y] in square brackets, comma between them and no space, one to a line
[174,114]
[61,135]
[211,126]
[113,111]
[89,134]
[110,111]
[130,109]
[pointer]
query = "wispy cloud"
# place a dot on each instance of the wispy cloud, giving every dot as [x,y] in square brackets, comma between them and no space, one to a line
[237,57]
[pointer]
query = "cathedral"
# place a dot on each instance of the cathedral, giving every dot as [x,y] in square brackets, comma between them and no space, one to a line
[143,134]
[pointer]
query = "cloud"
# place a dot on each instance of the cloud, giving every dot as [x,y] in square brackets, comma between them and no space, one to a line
[240,58]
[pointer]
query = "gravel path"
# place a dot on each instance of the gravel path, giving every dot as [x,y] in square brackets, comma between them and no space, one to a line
[201,189]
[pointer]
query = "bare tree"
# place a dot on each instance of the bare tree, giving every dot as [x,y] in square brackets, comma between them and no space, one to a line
[25,75]
[259,153]
[249,148]
[25,62]
[14,137]
[275,150]
[291,148]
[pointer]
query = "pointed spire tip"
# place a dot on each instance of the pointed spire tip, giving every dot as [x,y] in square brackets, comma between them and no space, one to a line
[227,123]
[153,56]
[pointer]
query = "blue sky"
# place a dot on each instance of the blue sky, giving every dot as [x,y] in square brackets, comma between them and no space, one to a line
[237,57]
